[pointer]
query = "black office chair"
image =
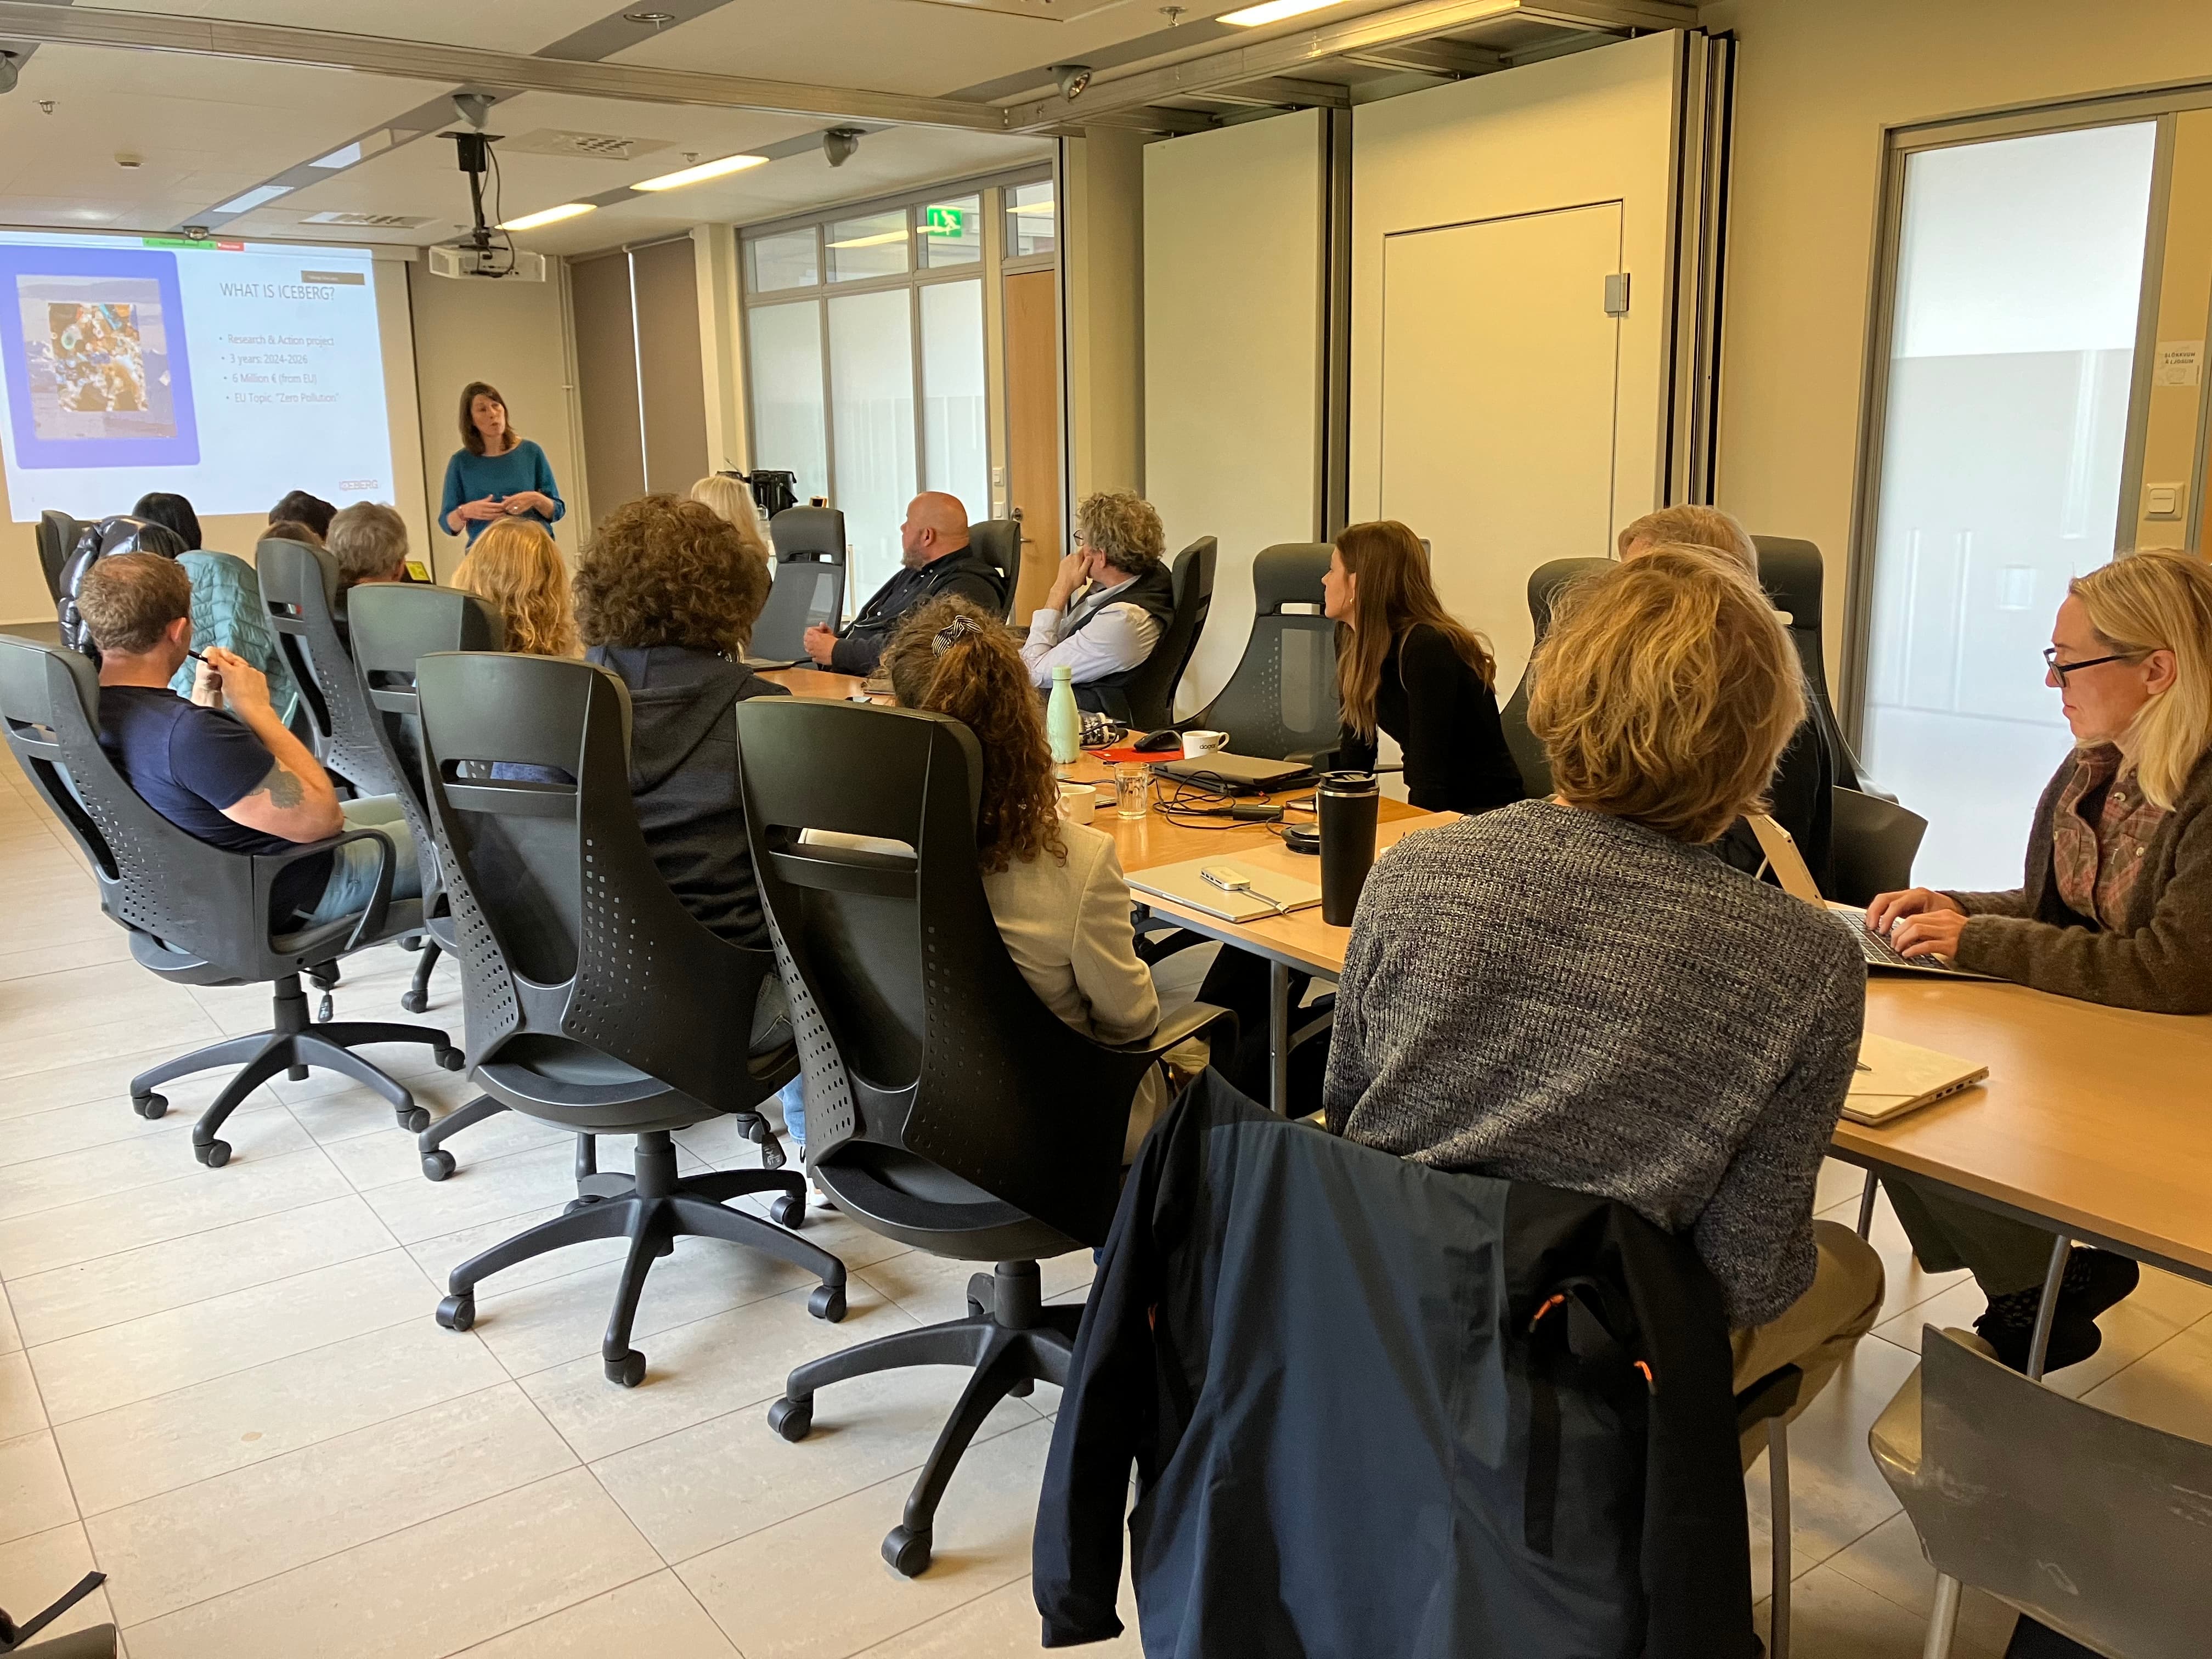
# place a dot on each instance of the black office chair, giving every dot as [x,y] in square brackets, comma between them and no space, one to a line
[1544,584]
[810,582]
[596,1002]
[1000,540]
[57,535]
[196,914]
[946,1107]
[1873,844]
[300,586]
[1281,702]
[116,534]
[1790,571]
[1144,699]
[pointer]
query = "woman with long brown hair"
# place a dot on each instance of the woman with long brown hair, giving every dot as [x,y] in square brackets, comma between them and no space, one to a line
[496,473]
[1408,667]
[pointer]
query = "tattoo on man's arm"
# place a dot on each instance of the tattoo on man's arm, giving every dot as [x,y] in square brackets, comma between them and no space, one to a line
[284,789]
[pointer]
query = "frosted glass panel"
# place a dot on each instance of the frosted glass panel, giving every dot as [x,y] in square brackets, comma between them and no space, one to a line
[2018,279]
[786,371]
[953,430]
[872,392]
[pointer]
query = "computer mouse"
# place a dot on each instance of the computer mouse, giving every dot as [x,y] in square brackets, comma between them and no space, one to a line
[1152,742]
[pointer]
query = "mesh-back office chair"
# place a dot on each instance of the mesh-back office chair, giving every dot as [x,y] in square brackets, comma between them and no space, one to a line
[299,585]
[1791,572]
[1874,843]
[810,582]
[1281,702]
[56,536]
[196,914]
[947,1106]
[1544,584]
[596,1002]
[1144,698]
[2090,1523]
[393,625]
[1000,540]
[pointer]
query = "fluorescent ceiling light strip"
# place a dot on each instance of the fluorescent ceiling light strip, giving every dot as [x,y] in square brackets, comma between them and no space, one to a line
[253,198]
[1273,12]
[552,216]
[1031,209]
[340,158]
[884,241]
[699,174]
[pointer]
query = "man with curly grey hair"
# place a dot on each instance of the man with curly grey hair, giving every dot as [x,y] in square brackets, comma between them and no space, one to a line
[1111,602]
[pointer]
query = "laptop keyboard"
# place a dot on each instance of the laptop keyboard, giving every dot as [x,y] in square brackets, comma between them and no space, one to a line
[1877,949]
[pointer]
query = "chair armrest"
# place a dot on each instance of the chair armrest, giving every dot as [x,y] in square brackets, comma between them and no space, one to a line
[380,899]
[1198,1018]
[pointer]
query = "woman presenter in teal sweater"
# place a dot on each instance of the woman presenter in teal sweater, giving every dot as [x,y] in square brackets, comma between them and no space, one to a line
[495,474]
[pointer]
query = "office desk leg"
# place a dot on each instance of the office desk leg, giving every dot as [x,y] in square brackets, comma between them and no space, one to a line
[1866,1205]
[2038,1346]
[1278,1038]
[1943,1622]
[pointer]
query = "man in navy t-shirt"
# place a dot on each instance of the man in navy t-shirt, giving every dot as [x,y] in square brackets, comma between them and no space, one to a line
[222,767]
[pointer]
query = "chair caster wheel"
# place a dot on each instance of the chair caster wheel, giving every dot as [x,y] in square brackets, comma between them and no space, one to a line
[414,1001]
[629,1370]
[448,1058]
[976,1309]
[412,942]
[1023,1390]
[437,1164]
[215,1154]
[828,1303]
[413,1119]
[458,1313]
[149,1106]
[297,1073]
[791,1420]
[908,1553]
[789,1211]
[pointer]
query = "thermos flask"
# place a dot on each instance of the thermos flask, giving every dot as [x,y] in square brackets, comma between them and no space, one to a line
[1346,804]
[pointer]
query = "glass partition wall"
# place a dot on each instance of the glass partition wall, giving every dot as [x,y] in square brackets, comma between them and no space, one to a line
[867,362]
[2028,311]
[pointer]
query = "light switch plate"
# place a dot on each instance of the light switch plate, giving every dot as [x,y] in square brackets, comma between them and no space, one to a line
[2163,500]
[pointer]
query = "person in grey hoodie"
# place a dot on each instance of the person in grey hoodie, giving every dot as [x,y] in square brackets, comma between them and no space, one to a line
[667,597]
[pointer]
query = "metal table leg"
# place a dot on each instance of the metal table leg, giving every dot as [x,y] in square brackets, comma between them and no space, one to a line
[2038,1346]
[1866,1197]
[1278,1037]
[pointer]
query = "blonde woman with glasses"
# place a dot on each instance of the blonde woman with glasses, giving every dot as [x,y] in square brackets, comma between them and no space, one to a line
[2115,906]
[1576,992]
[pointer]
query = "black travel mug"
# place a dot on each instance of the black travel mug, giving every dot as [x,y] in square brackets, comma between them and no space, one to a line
[1346,804]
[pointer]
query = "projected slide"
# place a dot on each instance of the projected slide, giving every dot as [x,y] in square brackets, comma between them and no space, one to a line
[229,371]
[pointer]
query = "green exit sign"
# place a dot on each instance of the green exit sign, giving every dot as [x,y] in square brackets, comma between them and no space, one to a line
[941,221]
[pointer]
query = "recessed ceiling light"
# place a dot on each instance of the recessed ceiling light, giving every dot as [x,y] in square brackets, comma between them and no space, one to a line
[552,216]
[650,18]
[339,158]
[699,174]
[1273,12]
[253,198]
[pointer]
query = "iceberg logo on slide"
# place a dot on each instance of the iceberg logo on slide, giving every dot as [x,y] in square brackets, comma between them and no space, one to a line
[85,345]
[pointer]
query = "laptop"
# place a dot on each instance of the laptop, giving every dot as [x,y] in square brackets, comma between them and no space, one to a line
[1238,775]
[1790,870]
[1895,1078]
[1227,888]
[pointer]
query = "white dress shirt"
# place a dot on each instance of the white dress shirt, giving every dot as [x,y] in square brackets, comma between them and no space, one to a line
[1115,642]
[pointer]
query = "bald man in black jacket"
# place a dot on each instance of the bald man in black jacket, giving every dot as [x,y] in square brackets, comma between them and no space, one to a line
[938,564]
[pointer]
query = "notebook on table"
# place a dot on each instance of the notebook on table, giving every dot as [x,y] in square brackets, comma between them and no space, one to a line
[1895,1078]
[1797,878]
[1265,893]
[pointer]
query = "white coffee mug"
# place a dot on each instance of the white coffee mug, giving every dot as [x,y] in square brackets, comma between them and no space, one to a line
[1078,802]
[1195,744]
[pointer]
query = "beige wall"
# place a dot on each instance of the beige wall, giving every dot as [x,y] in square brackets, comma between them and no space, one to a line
[1819,82]
[517,336]
[1103,175]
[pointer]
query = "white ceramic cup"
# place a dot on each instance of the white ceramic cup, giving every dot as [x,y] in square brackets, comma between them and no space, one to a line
[1195,744]
[1078,802]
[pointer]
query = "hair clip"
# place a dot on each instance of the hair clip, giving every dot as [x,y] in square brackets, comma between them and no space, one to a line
[952,633]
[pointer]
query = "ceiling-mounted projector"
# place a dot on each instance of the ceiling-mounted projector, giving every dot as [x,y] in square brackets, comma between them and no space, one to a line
[465,259]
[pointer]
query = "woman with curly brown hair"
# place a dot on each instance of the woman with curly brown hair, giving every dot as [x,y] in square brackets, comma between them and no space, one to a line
[667,597]
[1055,889]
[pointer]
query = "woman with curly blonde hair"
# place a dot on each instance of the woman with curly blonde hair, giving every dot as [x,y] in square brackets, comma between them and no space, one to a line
[516,566]
[1055,889]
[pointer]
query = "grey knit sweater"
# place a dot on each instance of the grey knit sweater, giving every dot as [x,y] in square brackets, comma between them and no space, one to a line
[1557,996]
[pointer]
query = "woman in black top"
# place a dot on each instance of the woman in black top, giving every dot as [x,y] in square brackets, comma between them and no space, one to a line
[1406,667]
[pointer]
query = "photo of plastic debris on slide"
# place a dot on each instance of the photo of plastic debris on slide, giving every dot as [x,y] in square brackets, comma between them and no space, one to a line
[96,364]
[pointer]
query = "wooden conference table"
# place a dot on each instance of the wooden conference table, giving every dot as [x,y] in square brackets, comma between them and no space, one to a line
[2095,1121]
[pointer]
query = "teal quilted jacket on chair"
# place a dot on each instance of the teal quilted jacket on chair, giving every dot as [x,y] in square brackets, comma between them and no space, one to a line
[227,611]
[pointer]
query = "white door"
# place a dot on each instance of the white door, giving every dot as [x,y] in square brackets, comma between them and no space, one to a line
[1499,399]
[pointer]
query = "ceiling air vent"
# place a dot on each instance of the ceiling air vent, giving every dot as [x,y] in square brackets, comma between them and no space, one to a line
[369,221]
[600,146]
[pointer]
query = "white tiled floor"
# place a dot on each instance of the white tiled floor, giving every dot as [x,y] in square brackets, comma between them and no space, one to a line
[224,1387]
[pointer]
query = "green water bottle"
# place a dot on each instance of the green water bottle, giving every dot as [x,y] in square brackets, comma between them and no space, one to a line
[1063,722]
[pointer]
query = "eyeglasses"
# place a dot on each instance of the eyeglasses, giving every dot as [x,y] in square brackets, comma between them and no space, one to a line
[2059,670]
